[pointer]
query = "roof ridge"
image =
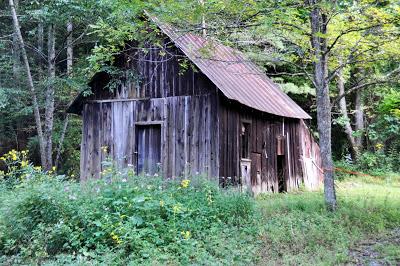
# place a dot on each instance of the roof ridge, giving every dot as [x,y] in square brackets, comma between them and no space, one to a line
[257,86]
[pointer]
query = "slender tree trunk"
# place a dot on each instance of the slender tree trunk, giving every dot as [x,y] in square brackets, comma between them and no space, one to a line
[203,20]
[70,49]
[343,109]
[62,137]
[70,59]
[40,44]
[16,52]
[49,114]
[318,22]
[30,82]
[359,118]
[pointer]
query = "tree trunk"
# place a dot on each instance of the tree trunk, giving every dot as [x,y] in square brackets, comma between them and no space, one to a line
[16,52]
[30,82]
[70,49]
[359,119]
[70,59]
[49,114]
[62,137]
[203,20]
[40,45]
[343,109]
[318,22]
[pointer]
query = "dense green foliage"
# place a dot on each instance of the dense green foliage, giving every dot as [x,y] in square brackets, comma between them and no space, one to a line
[363,35]
[378,163]
[124,218]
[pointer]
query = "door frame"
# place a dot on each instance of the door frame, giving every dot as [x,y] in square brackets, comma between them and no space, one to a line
[249,148]
[245,163]
[135,152]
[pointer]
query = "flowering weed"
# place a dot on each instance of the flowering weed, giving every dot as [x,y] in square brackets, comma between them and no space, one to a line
[139,219]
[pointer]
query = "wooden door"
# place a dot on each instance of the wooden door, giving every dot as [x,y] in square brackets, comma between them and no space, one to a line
[148,148]
[256,173]
[245,170]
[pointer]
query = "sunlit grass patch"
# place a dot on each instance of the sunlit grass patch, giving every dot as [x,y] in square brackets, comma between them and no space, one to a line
[297,229]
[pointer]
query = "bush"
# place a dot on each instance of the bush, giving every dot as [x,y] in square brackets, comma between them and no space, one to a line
[18,168]
[137,218]
[374,161]
[378,163]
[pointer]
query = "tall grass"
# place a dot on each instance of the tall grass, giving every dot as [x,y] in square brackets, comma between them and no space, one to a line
[297,229]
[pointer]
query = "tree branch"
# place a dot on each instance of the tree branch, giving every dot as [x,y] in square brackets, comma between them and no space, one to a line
[330,47]
[359,87]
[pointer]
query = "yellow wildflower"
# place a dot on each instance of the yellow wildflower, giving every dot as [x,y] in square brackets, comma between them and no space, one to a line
[379,146]
[53,168]
[209,197]
[2,158]
[185,183]
[161,203]
[186,234]
[105,171]
[37,168]
[176,208]
[24,163]
[116,238]
[104,149]
[12,155]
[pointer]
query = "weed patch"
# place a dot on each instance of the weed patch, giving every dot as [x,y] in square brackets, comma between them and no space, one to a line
[126,219]
[297,229]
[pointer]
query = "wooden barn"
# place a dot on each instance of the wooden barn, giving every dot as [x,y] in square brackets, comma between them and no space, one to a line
[197,107]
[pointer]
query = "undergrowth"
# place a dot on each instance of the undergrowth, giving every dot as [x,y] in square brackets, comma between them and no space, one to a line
[297,229]
[125,219]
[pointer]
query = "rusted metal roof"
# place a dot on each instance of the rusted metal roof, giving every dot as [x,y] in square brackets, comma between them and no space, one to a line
[235,76]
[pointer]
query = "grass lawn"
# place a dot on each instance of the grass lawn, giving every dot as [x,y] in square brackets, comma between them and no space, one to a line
[297,230]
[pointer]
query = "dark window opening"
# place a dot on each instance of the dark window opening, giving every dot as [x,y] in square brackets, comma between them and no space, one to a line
[281,173]
[245,139]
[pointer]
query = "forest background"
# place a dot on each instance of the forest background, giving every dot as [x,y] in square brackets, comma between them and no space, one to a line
[337,59]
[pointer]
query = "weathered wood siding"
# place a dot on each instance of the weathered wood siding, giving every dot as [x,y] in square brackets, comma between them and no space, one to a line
[265,130]
[189,126]
[154,88]
[310,158]
[153,72]
[200,128]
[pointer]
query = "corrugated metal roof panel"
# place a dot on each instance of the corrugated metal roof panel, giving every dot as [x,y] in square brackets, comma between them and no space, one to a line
[238,78]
